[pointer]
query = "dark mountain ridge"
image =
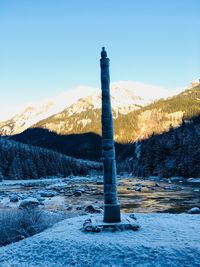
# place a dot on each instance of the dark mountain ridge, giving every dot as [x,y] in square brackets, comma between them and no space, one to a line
[84,146]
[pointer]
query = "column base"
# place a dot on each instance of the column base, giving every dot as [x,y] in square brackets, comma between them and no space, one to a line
[111,213]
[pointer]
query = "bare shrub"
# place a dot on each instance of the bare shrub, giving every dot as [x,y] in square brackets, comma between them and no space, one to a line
[17,224]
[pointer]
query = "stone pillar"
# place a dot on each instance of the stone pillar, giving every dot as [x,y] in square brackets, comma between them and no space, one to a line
[111,204]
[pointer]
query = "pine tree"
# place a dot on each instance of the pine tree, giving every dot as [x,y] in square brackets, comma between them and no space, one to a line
[15,169]
[1,175]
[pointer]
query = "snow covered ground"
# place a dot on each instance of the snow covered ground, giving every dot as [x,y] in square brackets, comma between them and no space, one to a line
[163,240]
[46,181]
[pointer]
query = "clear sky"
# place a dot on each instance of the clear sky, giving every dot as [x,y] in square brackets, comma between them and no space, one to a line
[48,46]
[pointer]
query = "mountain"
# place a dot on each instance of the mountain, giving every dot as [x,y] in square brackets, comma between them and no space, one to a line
[65,132]
[84,115]
[167,145]
[39,111]
[132,123]
[163,114]
[126,97]
[160,138]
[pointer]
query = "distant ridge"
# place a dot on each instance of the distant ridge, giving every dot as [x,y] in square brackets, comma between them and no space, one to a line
[126,97]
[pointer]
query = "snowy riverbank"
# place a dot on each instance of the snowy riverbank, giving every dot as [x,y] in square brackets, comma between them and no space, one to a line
[163,240]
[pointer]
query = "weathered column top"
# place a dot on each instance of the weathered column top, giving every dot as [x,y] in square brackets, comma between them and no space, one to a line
[104,59]
[103,53]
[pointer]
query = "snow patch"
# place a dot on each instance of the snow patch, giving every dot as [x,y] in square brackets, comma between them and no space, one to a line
[164,240]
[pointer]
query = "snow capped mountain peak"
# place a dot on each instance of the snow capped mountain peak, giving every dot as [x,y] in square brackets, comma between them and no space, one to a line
[195,82]
[125,96]
[43,109]
[144,91]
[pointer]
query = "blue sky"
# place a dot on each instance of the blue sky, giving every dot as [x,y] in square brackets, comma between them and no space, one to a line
[48,46]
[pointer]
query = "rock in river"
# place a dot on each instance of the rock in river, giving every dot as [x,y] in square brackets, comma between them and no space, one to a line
[47,194]
[14,198]
[28,203]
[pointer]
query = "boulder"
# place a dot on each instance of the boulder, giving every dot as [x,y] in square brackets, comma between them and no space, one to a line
[138,189]
[139,184]
[194,210]
[196,190]
[176,179]
[14,198]
[194,180]
[89,227]
[99,182]
[69,208]
[77,193]
[29,203]
[152,188]
[47,194]
[81,189]
[79,208]
[93,209]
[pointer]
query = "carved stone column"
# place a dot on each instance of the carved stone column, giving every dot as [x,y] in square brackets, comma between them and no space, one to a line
[111,204]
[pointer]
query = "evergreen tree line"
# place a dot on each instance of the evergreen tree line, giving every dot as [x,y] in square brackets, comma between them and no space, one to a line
[174,153]
[20,161]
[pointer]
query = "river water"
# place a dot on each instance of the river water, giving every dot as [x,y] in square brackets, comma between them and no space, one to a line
[134,195]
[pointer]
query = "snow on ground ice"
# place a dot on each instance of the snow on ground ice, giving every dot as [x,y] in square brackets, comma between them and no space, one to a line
[163,240]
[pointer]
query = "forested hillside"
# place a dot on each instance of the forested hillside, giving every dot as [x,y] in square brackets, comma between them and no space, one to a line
[19,161]
[174,153]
